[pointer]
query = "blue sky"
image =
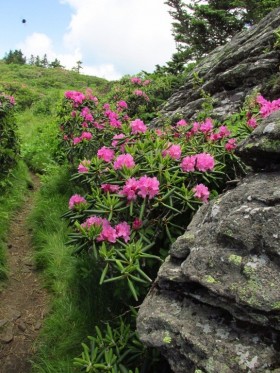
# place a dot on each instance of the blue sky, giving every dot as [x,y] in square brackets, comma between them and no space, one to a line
[111,37]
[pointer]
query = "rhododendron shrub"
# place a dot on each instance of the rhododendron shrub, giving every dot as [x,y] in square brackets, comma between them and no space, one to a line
[141,187]
[9,142]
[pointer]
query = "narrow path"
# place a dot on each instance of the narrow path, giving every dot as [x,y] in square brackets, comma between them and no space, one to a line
[23,302]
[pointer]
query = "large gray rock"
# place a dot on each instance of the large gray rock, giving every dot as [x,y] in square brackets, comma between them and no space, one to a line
[232,72]
[215,305]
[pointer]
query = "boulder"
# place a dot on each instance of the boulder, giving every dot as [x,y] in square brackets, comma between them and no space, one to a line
[230,73]
[215,305]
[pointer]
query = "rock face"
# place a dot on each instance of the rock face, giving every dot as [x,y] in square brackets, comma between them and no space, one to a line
[215,306]
[231,72]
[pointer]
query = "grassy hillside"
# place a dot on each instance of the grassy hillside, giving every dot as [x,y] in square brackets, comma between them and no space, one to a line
[28,84]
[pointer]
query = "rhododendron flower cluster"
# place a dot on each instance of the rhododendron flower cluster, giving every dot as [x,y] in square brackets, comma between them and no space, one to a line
[124,160]
[174,151]
[267,107]
[111,188]
[144,187]
[201,162]
[201,192]
[138,126]
[106,154]
[231,144]
[76,97]
[75,201]
[84,166]
[108,233]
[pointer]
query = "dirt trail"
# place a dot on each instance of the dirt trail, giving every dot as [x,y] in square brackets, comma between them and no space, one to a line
[23,302]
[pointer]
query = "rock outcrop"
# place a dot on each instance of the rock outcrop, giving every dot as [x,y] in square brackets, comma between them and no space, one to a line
[249,62]
[215,305]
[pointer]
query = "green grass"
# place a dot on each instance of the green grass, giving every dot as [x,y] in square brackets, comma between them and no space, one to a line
[11,200]
[76,298]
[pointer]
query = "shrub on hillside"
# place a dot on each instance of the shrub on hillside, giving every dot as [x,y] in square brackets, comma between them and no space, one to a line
[9,144]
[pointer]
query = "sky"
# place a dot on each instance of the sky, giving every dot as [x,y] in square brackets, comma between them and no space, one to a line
[112,38]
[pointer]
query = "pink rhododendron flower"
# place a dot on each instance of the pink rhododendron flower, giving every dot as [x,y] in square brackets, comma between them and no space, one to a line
[252,122]
[111,188]
[223,131]
[188,163]
[231,144]
[86,136]
[138,126]
[84,166]
[75,96]
[174,151]
[12,100]
[92,220]
[267,107]
[84,125]
[137,224]
[204,162]
[148,187]
[76,140]
[75,201]
[122,104]
[124,160]
[65,137]
[130,189]
[115,141]
[73,114]
[106,106]
[123,231]
[146,82]
[138,92]
[108,233]
[206,126]
[181,123]
[106,154]
[86,114]
[136,80]
[201,192]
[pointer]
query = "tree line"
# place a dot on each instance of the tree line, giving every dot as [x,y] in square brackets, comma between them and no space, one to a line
[18,58]
[199,26]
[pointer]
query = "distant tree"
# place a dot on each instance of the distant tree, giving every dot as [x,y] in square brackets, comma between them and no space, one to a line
[56,63]
[78,67]
[44,61]
[32,60]
[15,56]
[200,26]
[38,62]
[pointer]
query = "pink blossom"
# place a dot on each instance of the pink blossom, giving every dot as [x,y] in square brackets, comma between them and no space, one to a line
[148,187]
[137,224]
[206,126]
[115,141]
[267,107]
[76,140]
[65,137]
[108,233]
[223,131]
[75,96]
[174,151]
[124,160]
[136,80]
[122,104]
[86,136]
[73,114]
[138,92]
[92,220]
[123,230]
[12,100]
[84,166]
[86,114]
[146,82]
[138,126]
[201,192]
[181,123]
[111,188]
[106,154]
[195,127]
[106,106]
[130,189]
[188,163]
[204,162]
[75,201]
[230,145]
[252,122]
[84,125]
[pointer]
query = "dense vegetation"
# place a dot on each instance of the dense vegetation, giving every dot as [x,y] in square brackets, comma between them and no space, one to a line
[126,192]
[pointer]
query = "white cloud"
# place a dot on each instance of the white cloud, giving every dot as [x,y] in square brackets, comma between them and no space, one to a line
[134,35]
[111,37]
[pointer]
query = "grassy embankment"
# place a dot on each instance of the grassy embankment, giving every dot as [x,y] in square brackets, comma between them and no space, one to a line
[73,313]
